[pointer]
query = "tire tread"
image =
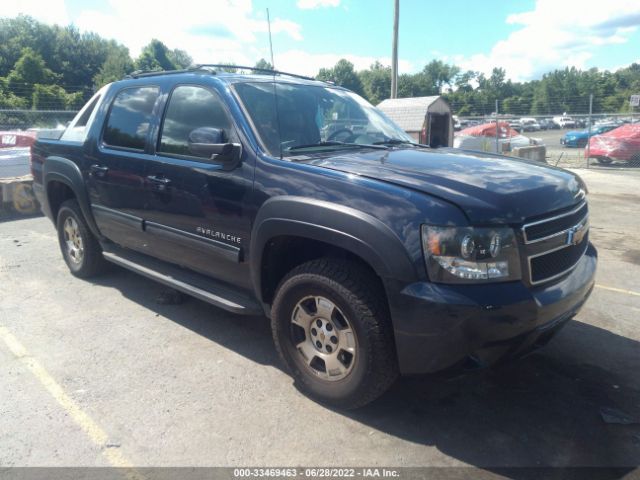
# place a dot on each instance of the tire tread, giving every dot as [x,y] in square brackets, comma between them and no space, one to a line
[366,297]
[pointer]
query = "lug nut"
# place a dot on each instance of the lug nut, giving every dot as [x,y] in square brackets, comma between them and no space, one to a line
[329,349]
[318,344]
[314,332]
[334,340]
[329,327]
[319,323]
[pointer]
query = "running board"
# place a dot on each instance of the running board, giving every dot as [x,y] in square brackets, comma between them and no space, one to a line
[191,283]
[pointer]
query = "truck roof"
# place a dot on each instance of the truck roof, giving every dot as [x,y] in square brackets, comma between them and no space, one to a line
[219,72]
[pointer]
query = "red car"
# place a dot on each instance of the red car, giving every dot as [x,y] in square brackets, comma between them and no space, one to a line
[15,139]
[622,143]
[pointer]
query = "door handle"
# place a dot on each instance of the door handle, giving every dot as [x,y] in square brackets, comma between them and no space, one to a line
[159,183]
[99,171]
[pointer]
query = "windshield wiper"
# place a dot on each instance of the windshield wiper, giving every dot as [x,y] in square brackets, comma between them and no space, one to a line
[397,141]
[337,144]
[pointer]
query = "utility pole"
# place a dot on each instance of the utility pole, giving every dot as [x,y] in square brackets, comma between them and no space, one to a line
[394,54]
[273,65]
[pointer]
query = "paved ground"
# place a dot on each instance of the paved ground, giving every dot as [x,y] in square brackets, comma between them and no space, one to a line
[99,373]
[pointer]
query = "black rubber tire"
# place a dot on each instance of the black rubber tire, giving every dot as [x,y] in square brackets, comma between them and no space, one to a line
[604,160]
[356,293]
[92,262]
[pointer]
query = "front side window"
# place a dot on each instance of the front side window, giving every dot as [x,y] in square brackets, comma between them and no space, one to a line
[192,109]
[289,117]
[129,118]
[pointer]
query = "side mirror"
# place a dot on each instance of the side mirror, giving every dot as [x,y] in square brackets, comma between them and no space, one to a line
[212,143]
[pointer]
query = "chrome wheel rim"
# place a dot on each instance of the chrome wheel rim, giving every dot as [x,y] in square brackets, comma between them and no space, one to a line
[323,338]
[73,240]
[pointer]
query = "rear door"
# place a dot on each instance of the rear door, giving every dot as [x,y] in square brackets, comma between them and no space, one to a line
[116,166]
[196,211]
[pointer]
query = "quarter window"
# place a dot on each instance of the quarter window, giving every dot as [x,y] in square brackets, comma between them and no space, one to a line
[129,118]
[190,108]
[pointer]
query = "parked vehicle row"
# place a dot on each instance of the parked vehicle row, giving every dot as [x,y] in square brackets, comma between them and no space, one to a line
[580,138]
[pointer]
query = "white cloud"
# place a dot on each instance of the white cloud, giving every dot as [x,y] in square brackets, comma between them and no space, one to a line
[224,30]
[556,34]
[310,4]
[54,11]
[304,63]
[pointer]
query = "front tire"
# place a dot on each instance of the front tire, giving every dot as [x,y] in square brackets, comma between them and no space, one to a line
[80,249]
[332,329]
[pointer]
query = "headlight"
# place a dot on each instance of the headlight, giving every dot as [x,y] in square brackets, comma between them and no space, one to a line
[470,255]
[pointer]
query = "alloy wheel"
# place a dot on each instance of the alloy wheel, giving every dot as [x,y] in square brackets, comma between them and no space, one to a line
[323,338]
[73,240]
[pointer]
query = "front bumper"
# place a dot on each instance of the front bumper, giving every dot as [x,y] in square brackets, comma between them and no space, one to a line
[440,326]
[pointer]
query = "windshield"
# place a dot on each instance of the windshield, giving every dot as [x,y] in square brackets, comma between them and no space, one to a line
[314,118]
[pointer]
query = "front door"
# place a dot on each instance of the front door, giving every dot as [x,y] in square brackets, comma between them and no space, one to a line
[196,212]
[116,167]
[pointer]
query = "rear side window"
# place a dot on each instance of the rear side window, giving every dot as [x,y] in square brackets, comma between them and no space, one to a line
[129,118]
[191,107]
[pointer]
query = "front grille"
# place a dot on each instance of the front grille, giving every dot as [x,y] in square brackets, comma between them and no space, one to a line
[550,244]
[541,229]
[554,264]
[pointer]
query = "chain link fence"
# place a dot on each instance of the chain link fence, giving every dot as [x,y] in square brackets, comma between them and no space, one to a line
[35,119]
[573,138]
[568,136]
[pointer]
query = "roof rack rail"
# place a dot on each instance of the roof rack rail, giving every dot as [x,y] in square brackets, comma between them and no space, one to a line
[153,73]
[254,69]
[210,67]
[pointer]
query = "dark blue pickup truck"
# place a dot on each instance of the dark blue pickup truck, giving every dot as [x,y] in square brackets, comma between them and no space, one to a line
[271,194]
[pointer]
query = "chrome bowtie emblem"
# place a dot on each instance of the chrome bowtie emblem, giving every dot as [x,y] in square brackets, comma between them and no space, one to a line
[575,235]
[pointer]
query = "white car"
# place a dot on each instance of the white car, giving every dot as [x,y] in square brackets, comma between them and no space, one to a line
[565,121]
[529,124]
[483,138]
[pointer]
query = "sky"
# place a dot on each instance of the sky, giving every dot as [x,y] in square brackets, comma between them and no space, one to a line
[525,37]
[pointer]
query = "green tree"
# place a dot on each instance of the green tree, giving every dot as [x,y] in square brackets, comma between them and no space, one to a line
[115,67]
[10,101]
[179,58]
[439,74]
[155,56]
[342,74]
[376,82]
[263,64]
[30,69]
[53,97]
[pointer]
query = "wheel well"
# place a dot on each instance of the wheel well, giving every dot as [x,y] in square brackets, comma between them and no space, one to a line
[58,192]
[284,253]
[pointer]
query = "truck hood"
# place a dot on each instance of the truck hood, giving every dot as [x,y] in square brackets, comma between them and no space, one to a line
[489,189]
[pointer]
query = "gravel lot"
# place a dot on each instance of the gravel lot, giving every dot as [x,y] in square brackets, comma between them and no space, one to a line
[99,373]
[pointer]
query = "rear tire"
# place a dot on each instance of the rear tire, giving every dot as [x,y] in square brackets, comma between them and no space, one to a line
[604,160]
[80,249]
[325,297]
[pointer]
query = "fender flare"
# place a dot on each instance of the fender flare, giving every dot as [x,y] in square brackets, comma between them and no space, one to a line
[338,225]
[65,171]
